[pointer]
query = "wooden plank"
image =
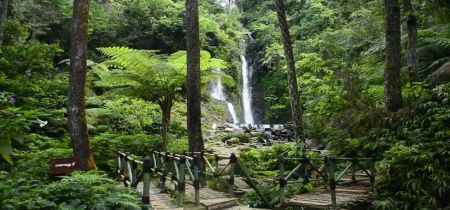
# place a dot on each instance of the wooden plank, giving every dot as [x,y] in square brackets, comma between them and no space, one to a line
[322,200]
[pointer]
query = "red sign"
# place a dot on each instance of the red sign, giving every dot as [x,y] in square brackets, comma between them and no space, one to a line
[64,166]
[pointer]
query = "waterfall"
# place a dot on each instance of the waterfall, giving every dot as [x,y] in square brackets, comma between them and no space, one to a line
[228,5]
[218,93]
[246,91]
[232,112]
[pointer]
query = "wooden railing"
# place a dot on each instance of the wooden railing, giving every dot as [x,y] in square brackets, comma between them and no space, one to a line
[326,174]
[178,167]
[133,171]
[197,167]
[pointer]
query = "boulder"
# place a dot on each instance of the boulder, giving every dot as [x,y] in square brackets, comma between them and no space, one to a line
[441,75]
[232,141]
[229,130]
[268,132]
[253,134]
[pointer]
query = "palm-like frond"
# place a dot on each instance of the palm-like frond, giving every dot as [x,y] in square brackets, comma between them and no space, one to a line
[145,74]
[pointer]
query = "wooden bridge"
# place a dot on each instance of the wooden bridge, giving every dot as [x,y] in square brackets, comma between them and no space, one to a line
[161,175]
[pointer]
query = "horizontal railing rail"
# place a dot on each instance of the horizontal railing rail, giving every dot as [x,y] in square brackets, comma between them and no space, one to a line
[196,167]
[327,173]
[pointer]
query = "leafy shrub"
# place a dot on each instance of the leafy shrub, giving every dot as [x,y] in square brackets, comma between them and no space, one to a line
[257,161]
[77,191]
[242,138]
[105,146]
[220,185]
[415,162]
[15,122]
[272,193]
[178,145]
[36,163]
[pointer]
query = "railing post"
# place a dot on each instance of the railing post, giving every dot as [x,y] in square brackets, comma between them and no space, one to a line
[306,161]
[354,160]
[126,171]
[164,170]
[331,169]
[282,180]
[196,180]
[181,183]
[119,165]
[134,174]
[202,167]
[372,173]
[233,161]
[147,170]
[155,163]
[216,171]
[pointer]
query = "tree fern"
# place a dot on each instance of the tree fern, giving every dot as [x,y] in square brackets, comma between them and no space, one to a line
[154,77]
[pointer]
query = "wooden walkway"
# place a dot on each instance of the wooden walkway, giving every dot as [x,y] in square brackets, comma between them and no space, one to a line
[209,199]
[354,196]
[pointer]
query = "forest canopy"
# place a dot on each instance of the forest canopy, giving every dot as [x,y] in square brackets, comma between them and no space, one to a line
[351,78]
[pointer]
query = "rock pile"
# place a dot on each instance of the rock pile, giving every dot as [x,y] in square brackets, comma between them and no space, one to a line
[262,133]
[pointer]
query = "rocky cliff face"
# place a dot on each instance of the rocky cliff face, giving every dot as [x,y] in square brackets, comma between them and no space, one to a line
[258,100]
[441,75]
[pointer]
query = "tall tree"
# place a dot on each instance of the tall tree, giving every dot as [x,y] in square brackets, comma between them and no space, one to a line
[411,23]
[155,78]
[392,82]
[291,73]
[193,77]
[77,83]
[3,15]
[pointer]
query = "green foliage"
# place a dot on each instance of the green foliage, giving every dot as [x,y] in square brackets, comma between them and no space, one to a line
[242,138]
[29,58]
[153,77]
[15,122]
[105,146]
[256,162]
[415,163]
[126,115]
[178,146]
[434,46]
[77,191]
[272,193]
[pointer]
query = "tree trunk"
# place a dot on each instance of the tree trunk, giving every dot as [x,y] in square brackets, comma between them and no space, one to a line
[3,15]
[392,81]
[166,107]
[77,83]
[193,77]
[292,76]
[411,23]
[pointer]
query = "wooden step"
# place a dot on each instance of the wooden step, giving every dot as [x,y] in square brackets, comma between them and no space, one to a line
[219,203]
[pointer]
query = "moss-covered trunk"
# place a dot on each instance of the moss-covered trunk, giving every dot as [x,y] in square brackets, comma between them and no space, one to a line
[411,22]
[77,84]
[166,107]
[193,77]
[291,74]
[392,80]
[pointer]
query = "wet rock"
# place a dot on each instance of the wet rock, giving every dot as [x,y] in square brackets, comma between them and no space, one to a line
[228,130]
[441,75]
[232,141]
[254,133]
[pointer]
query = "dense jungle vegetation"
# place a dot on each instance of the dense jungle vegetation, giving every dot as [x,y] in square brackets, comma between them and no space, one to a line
[139,78]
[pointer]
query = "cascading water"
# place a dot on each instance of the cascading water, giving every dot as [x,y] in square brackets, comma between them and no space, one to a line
[246,91]
[228,5]
[218,93]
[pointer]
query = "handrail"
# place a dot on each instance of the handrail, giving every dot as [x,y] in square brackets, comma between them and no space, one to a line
[328,175]
[129,172]
[177,166]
